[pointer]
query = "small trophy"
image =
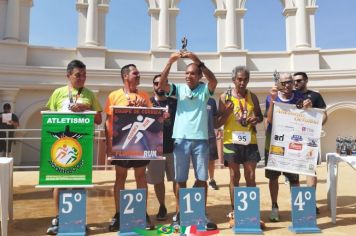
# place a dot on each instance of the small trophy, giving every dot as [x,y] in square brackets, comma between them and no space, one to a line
[276,77]
[184,44]
[243,118]
[228,96]
[299,103]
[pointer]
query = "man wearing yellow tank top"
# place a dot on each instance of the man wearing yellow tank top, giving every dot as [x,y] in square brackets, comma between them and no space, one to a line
[239,112]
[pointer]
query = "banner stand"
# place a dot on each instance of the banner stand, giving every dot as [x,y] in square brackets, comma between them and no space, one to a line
[66,163]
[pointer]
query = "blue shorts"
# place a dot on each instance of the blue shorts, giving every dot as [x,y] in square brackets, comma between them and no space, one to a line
[198,151]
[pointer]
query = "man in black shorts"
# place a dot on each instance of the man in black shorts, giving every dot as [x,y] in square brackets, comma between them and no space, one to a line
[283,93]
[300,84]
[129,96]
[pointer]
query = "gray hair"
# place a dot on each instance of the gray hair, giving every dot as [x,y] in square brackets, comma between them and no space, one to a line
[285,77]
[238,69]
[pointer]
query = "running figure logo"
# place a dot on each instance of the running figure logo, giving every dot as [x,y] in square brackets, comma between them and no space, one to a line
[66,152]
[136,128]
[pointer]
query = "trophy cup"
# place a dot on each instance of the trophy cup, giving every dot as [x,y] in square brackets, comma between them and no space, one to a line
[353,149]
[228,95]
[243,119]
[184,44]
[276,79]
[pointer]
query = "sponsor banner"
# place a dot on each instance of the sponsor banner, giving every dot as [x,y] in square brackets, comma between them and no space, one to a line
[66,149]
[137,133]
[295,139]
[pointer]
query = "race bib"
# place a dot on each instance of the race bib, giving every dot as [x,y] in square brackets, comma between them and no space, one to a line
[241,137]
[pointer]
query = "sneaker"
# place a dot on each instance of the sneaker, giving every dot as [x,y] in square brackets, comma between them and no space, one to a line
[162,213]
[231,219]
[149,224]
[213,185]
[115,223]
[175,221]
[53,229]
[317,210]
[274,216]
[210,225]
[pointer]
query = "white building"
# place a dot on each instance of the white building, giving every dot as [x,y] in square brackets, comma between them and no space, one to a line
[29,74]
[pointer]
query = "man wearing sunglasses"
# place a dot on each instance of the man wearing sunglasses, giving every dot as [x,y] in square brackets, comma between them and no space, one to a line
[156,169]
[281,92]
[300,84]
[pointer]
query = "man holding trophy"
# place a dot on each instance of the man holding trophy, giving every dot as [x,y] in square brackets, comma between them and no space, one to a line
[190,129]
[239,112]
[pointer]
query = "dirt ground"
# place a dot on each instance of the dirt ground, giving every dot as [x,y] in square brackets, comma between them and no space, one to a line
[33,207]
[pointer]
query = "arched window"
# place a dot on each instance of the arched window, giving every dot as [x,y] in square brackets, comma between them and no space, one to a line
[335,23]
[54,23]
[197,22]
[264,26]
[128,25]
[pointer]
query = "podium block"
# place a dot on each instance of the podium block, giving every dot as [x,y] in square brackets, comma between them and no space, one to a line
[303,210]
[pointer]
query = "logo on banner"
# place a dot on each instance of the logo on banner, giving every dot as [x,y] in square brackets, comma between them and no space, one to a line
[312,142]
[66,151]
[277,150]
[136,128]
[296,146]
[297,138]
[279,137]
[307,130]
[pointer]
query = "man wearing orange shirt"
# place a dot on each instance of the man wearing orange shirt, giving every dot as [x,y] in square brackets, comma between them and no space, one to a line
[128,96]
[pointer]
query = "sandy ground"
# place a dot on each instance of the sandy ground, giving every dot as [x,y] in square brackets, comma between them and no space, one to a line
[33,207]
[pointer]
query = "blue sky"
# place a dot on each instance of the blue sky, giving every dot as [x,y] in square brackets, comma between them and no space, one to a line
[54,23]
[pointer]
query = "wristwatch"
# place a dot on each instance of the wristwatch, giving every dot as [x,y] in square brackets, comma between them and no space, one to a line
[201,65]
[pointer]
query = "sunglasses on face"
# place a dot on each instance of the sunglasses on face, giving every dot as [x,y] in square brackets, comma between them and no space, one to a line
[298,80]
[286,82]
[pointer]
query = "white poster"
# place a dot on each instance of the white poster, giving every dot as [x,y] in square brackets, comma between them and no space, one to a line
[6,117]
[295,139]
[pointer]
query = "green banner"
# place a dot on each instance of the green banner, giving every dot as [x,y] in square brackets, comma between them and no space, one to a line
[66,149]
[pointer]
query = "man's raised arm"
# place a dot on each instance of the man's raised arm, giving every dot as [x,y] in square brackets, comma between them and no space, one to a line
[212,82]
[163,82]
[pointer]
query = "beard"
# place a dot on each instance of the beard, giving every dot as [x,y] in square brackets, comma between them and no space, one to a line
[160,92]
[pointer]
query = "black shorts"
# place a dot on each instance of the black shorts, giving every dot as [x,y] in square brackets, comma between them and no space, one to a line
[272,174]
[130,163]
[213,149]
[241,153]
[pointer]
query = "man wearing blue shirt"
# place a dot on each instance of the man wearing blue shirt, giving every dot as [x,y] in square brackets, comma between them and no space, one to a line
[190,129]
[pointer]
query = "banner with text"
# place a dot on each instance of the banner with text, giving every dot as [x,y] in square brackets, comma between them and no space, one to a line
[66,149]
[295,139]
[137,133]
